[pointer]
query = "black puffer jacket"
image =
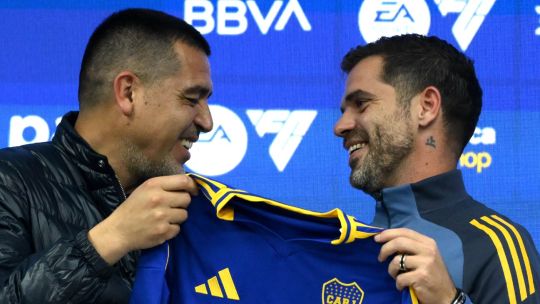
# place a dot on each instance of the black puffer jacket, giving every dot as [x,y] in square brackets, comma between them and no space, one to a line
[50,195]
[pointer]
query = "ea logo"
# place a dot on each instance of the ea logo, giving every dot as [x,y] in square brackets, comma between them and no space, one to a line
[388,18]
[222,149]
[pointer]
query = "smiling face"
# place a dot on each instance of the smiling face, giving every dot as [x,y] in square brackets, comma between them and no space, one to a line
[376,128]
[168,117]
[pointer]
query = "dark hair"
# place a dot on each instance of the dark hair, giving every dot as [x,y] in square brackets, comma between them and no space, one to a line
[139,40]
[413,62]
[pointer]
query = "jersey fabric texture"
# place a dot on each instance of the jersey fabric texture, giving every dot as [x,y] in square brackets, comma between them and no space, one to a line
[487,255]
[240,248]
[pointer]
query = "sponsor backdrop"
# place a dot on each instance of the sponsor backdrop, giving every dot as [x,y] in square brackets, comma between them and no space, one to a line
[278,85]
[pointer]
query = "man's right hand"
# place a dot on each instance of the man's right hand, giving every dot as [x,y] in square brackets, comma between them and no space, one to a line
[150,216]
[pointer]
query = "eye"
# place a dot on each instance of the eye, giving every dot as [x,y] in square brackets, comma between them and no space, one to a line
[364,107]
[361,105]
[193,100]
[188,99]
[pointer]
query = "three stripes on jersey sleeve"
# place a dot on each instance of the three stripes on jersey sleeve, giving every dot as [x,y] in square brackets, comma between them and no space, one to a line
[506,239]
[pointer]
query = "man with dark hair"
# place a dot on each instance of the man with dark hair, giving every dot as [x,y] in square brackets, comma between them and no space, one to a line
[411,105]
[75,211]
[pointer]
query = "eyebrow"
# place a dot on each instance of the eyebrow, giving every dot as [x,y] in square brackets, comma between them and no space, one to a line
[198,89]
[357,95]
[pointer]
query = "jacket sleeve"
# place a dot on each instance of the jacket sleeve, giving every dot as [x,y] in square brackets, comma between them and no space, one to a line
[511,273]
[69,271]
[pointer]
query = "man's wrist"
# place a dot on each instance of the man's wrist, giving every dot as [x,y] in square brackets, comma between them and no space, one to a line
[90,254]
[107,246]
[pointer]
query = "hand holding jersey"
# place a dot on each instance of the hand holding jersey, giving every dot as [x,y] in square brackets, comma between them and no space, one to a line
[241,247]
[422,268]
[151,215]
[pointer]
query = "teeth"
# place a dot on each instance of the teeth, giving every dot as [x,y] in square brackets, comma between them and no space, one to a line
[186,143]
[356,147]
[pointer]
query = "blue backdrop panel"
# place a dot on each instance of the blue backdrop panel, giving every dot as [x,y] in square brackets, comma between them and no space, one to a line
[278,85]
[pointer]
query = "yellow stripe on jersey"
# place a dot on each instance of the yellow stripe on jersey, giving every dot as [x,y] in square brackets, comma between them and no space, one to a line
[334,213]
[206,187]
[215,290]
[219,195]
[358,224]
[523,253]
[201,289]
[215,190]
[228,284]
[414,298]
[513,253]
[210,188]
[356,233]
[207,180]
[223,211]
[225,192]
[343,230]
[502,257]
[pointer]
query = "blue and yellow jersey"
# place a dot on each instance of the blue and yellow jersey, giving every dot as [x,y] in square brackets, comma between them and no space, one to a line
[237,247]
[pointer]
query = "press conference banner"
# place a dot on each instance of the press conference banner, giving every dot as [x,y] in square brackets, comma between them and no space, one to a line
[278,85]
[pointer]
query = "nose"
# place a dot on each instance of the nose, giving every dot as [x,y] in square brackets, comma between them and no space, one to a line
[203,120]
[344,124]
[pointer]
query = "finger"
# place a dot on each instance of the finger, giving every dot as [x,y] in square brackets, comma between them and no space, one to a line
[390,234]
[178,182]
[168,199]
[173,231]
[399,245]
[179,200]
[177,216]
[193,187]
[411,262]
[393,266]
[405,280]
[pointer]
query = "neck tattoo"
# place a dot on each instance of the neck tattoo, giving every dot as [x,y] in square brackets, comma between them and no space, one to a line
[431,142]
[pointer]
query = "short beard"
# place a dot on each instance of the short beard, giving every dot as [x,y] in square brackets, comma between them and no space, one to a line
[388,146]
[141,168]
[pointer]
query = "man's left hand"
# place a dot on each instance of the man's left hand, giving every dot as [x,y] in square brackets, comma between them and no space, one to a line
[425,271]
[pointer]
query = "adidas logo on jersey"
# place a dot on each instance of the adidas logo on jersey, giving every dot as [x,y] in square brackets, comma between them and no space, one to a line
[214,284]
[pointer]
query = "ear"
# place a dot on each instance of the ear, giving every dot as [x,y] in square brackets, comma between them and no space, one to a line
[430,106]
[124,91]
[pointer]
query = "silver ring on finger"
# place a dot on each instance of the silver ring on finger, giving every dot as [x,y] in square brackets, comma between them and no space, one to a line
[402,266]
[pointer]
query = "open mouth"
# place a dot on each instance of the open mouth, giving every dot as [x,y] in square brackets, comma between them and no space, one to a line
[186,143]
[356,147]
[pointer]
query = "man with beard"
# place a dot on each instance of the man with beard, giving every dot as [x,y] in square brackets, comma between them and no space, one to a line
[75,211]
[411,105]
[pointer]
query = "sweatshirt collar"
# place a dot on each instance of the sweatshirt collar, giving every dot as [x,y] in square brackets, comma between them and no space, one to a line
[398,205]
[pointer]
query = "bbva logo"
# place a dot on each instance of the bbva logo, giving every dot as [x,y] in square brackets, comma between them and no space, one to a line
[230,17]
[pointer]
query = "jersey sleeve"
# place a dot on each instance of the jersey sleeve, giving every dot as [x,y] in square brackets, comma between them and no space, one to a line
[510,271]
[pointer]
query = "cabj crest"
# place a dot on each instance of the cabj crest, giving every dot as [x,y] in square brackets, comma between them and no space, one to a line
[337,292]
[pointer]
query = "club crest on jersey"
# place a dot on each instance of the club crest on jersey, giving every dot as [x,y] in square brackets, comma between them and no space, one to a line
[337,292]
